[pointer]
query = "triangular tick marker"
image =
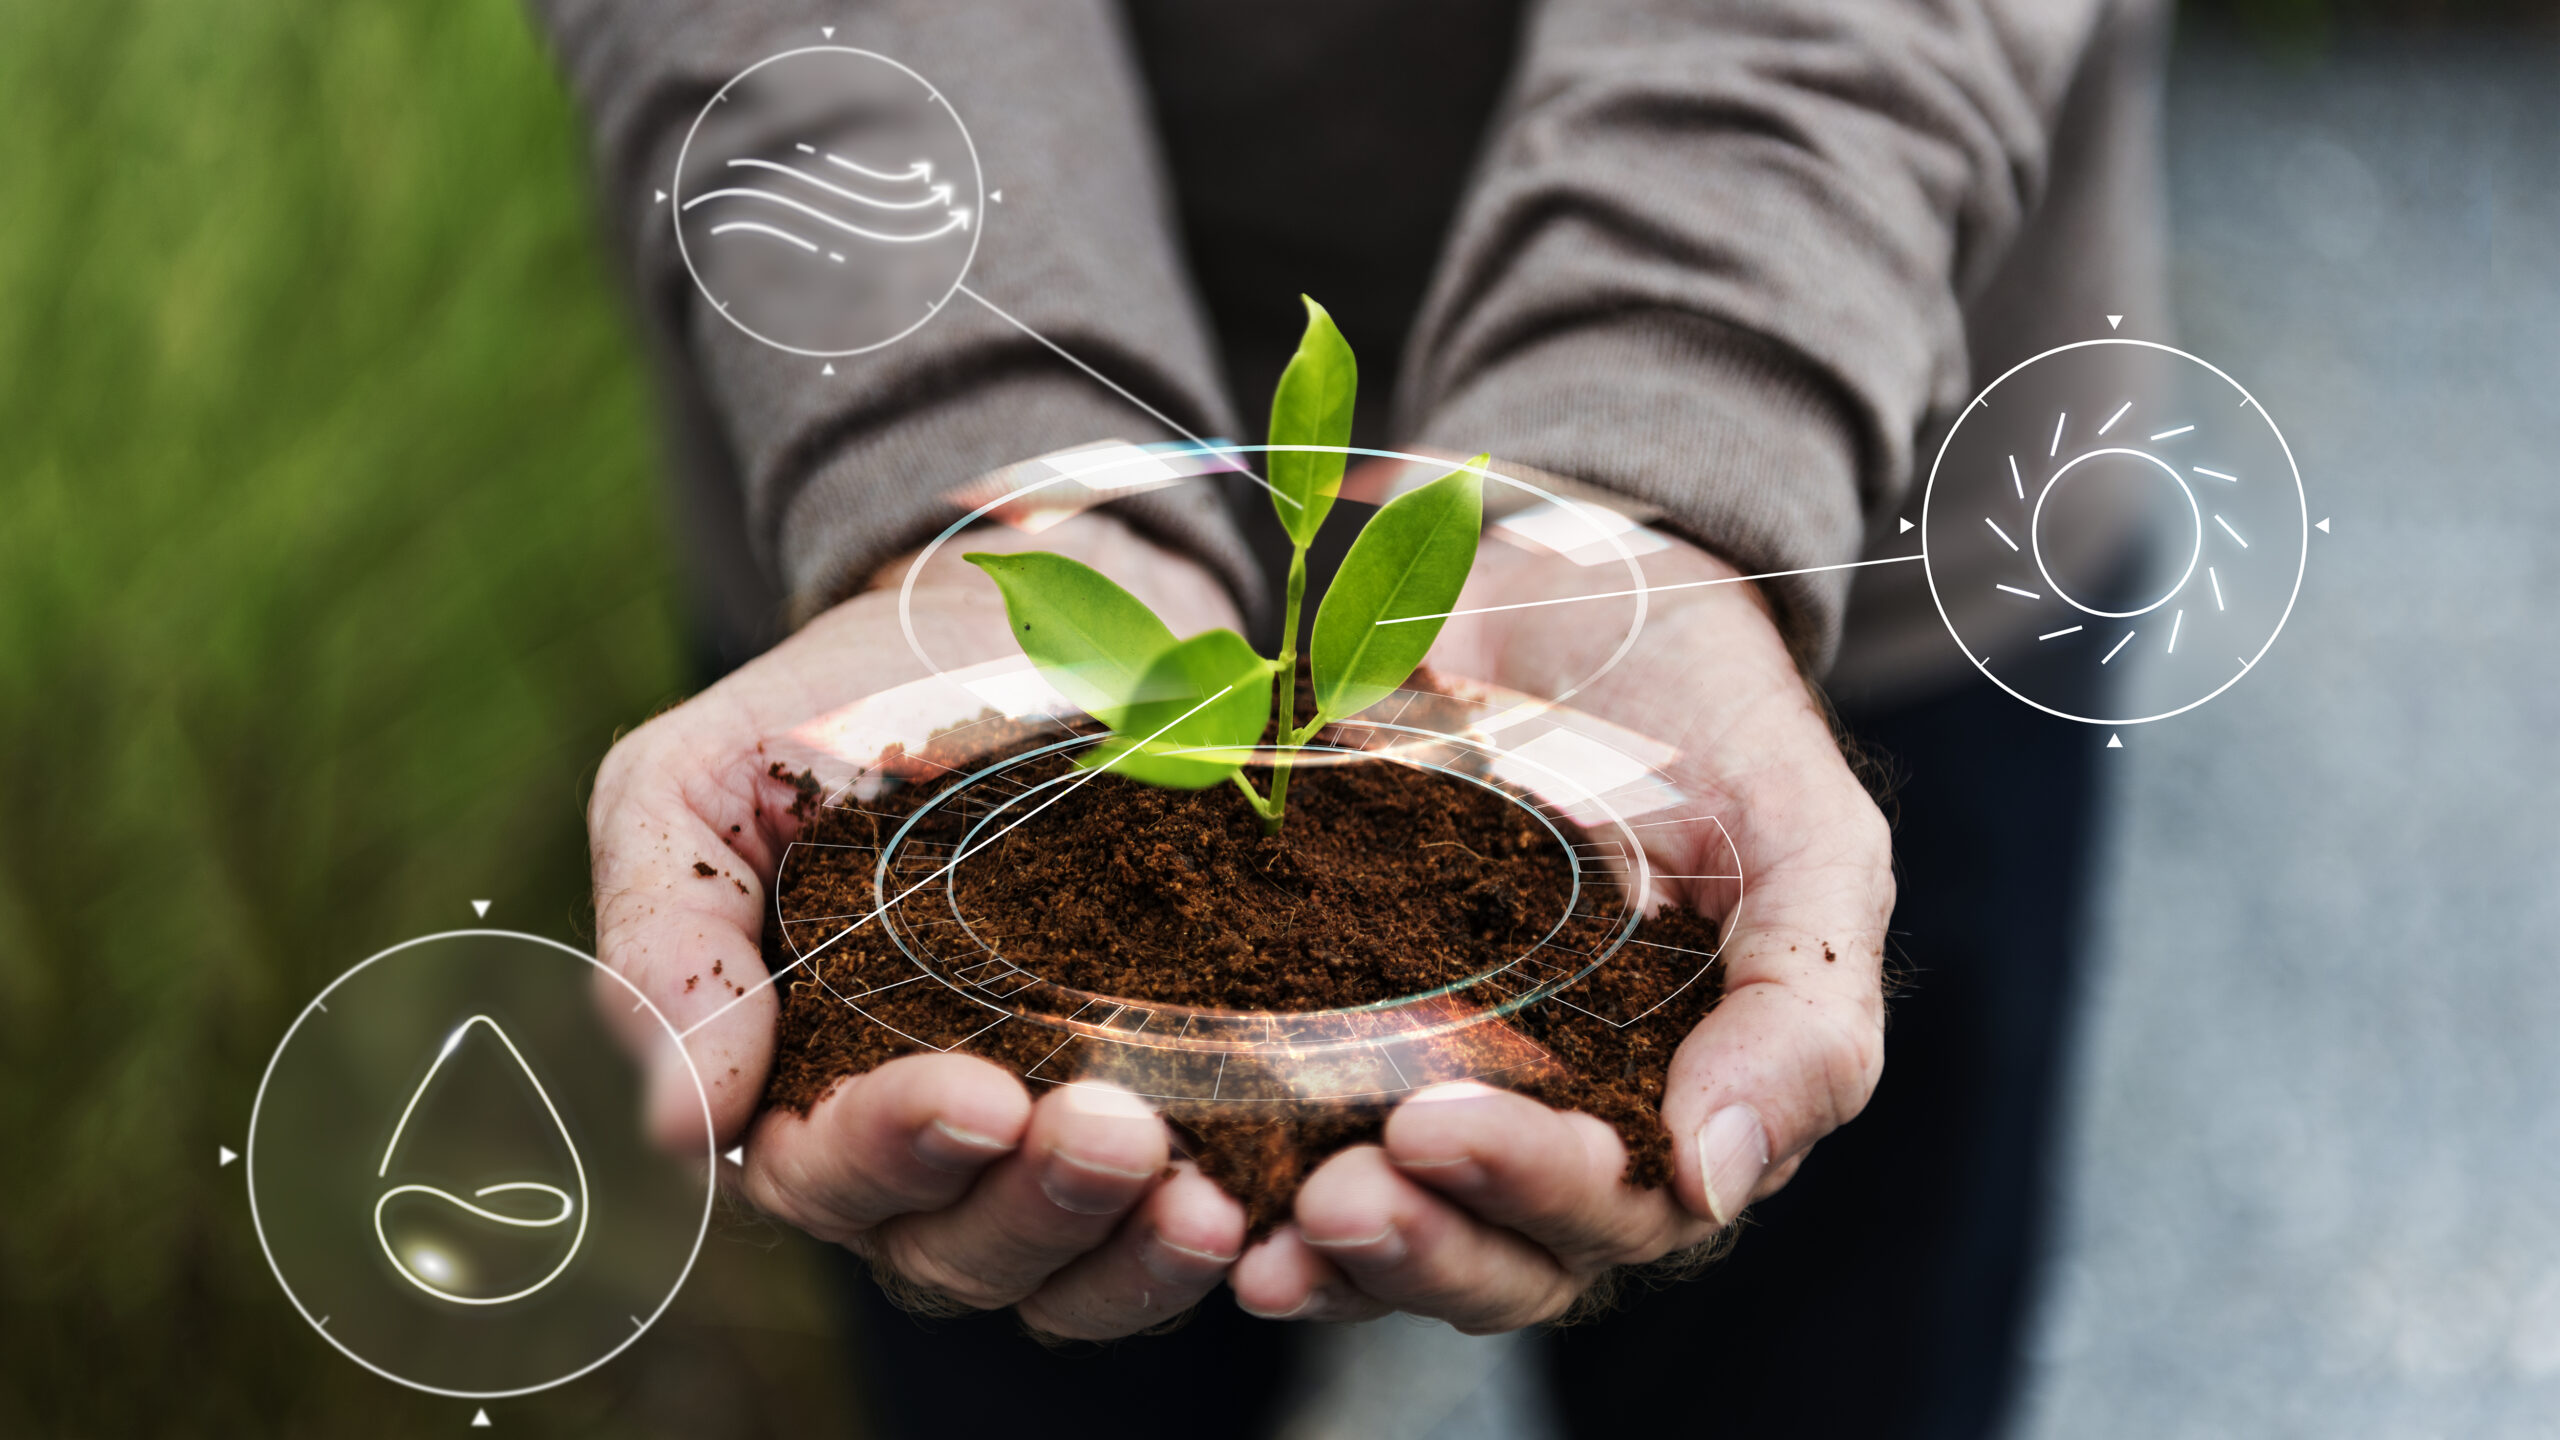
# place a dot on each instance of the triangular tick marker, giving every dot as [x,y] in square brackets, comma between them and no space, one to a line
[1905,530]
[224,1155]
[2324,525]
[827,369]
[662,197]
[2115,742]
[996,195]
[480,908]
[479,1419]
[736,1155]
[2114,320]
[827,30]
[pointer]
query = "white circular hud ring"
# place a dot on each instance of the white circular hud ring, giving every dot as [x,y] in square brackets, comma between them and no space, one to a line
[811,250]
[2016,588]
[430,1290]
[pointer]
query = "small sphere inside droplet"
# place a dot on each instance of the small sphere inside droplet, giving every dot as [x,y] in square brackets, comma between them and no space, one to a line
[432,1264]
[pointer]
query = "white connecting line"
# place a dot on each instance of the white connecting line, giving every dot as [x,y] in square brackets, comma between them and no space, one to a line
[947,867]
[1116,388]
[1650,589]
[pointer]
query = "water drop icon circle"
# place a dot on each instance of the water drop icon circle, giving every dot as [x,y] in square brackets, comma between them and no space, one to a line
[442,1173]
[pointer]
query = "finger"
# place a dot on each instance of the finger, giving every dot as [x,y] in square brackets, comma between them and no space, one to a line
[1090,1154]
[1410,1249]
[1167,1255]
[1556,1178]
[1796,1045]
[1283,1278]
[1789,1054]
[678,910]
[910,1136]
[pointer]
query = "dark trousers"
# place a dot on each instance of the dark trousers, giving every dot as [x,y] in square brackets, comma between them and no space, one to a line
[1882,1294]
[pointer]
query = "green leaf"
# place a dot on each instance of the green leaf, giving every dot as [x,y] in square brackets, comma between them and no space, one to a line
[1090,638]
[1312,407]
[1166,714]
[1411,559]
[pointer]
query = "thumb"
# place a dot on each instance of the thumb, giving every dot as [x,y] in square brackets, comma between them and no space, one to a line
[678,912]
[1796,1046]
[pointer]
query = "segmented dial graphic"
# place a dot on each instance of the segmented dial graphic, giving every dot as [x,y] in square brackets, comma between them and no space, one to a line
[2108,502]
[827,201]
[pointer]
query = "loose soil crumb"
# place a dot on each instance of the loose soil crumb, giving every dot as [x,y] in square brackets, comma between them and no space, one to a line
[1386,881]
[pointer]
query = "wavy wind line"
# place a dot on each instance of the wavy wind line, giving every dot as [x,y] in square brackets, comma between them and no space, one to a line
[938,195]
[916,170]
[750,225]
[958,219]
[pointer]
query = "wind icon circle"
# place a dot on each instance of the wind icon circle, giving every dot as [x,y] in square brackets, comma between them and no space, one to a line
[2114,531]
[827,201]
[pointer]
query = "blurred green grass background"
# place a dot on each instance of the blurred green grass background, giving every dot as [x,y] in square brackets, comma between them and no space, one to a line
[332,560]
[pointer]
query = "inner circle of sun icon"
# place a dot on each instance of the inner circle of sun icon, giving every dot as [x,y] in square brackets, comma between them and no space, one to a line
[2114,503]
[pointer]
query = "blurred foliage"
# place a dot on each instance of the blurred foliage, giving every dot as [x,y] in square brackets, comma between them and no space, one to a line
[332,560]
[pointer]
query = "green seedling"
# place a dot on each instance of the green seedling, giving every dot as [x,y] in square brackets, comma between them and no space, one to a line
[1189,714]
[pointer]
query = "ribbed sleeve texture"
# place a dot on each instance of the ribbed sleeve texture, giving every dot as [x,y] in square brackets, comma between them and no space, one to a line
[841,473]
[1717,257]
[1714,255]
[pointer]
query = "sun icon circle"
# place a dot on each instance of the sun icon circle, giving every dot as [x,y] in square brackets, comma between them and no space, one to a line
[827,201]
[2119,504]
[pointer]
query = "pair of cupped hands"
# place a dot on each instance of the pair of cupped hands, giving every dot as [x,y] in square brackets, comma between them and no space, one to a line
[1479,1207]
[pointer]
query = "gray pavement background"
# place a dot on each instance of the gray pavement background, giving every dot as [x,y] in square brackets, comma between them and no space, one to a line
[2314,1186]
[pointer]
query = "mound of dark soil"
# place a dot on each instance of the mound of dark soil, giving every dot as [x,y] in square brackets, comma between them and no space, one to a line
[1387,881]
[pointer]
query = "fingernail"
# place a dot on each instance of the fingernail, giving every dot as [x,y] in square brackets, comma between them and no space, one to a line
[1089,1187]
[1458,1172]
[946,1147]
[1290,1314]
[1092,1186]
[1322,1304]
[1384,1248]
[1452,1090]
[1171,1264]
[1733,1153]
[1107,1100]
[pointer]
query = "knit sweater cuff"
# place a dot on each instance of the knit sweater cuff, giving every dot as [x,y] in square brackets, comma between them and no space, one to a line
[882,493]
[1740,445]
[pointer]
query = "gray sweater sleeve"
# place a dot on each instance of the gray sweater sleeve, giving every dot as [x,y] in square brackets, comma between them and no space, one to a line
[840,473]
[1716,258]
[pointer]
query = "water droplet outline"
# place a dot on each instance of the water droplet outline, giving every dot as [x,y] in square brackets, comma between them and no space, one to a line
[568,1207]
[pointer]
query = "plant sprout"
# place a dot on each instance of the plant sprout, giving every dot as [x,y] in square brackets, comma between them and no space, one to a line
[1188,714]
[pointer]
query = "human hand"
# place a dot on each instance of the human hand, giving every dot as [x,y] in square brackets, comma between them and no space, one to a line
[1491,1211]
[939,1168]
